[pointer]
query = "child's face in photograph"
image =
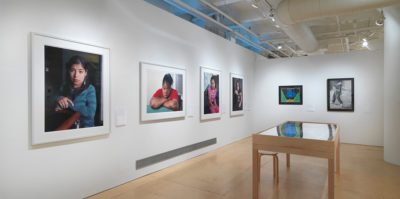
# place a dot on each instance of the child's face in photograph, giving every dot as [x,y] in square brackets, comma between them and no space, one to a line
[166,89]
[77,74]
[212,84]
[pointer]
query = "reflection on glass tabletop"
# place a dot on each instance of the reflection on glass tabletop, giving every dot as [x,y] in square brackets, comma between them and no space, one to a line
[303,130]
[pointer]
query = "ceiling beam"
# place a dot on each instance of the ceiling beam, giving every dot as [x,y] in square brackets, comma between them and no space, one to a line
[225,2]
[206,17]
[239,24]
[343,32]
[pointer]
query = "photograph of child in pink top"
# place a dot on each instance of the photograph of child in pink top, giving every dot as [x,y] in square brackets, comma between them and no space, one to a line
[211,93]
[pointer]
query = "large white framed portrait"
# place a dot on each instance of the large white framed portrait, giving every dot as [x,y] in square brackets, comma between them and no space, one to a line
[237,94]
[210,93]
[70,89]
[162,92]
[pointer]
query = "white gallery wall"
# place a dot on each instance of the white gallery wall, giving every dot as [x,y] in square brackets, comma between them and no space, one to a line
[391,85]
[134,31]
[363,126]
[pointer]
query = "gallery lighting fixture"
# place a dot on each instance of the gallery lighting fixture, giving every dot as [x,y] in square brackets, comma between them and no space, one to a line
[271,15]
[365,43]
[380,20]
[279,47]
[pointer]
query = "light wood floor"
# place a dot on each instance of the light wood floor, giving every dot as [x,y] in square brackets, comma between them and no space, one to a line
[226,174]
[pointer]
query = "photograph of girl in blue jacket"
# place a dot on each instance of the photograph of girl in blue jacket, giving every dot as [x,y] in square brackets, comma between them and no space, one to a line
[77,94]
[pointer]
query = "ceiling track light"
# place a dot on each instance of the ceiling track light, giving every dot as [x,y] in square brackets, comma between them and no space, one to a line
[381,20]
[272,15]
[365,42]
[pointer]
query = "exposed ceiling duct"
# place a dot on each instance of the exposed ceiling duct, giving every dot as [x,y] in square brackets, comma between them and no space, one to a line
[302,35]
[291,14]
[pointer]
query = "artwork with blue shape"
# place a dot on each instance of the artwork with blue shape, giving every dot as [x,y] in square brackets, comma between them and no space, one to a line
[290,94]
[291,129]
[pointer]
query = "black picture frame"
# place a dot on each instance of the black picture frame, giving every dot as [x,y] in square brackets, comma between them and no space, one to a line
[340,94]
[297,100]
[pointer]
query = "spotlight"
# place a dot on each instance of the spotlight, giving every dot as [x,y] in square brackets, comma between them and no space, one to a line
[279,47]
[271,15]
[365,43]
[254,5]
[380,20]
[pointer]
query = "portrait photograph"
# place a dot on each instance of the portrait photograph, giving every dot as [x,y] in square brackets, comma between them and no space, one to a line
[210,93]
[72,89]
[162,92]
[340,94]
[291,95]
[75,88]
[237,96]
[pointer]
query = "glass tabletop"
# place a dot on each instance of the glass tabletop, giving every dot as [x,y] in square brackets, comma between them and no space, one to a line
[303,130]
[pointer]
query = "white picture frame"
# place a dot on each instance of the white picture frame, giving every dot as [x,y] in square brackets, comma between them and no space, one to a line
[41,46]
[237,98]
[151,80]
[205,81]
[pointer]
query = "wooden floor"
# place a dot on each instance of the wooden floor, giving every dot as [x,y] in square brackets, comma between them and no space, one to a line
[226,173]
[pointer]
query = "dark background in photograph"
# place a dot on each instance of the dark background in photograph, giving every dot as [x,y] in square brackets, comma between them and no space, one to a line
[207,78]
[234,97]
[56,74]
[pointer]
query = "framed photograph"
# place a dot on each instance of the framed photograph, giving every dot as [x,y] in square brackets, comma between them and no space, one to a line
[291,95]
[340,94]
[237,95]
[162,92]
[70,89]
[210,93]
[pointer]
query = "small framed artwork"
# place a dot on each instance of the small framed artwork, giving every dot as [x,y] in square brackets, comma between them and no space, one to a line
[70,89]
[237,95]
[210,93]
[340,94]
[291,95]
[162,92]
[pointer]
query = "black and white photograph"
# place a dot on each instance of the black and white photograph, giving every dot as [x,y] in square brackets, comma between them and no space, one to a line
[340,94]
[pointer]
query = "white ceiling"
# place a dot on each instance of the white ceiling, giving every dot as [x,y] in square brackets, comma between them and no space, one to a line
[336,34]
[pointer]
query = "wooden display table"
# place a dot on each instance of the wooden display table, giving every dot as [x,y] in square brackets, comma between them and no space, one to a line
[302,138]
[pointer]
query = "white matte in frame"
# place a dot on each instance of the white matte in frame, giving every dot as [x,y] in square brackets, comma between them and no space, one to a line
[241,112]
[211,115]
[144,69]
[39,136]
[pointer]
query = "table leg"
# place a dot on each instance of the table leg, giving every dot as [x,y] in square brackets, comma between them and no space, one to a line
[338,158]
[331,178]
[256,173]
[288,160]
